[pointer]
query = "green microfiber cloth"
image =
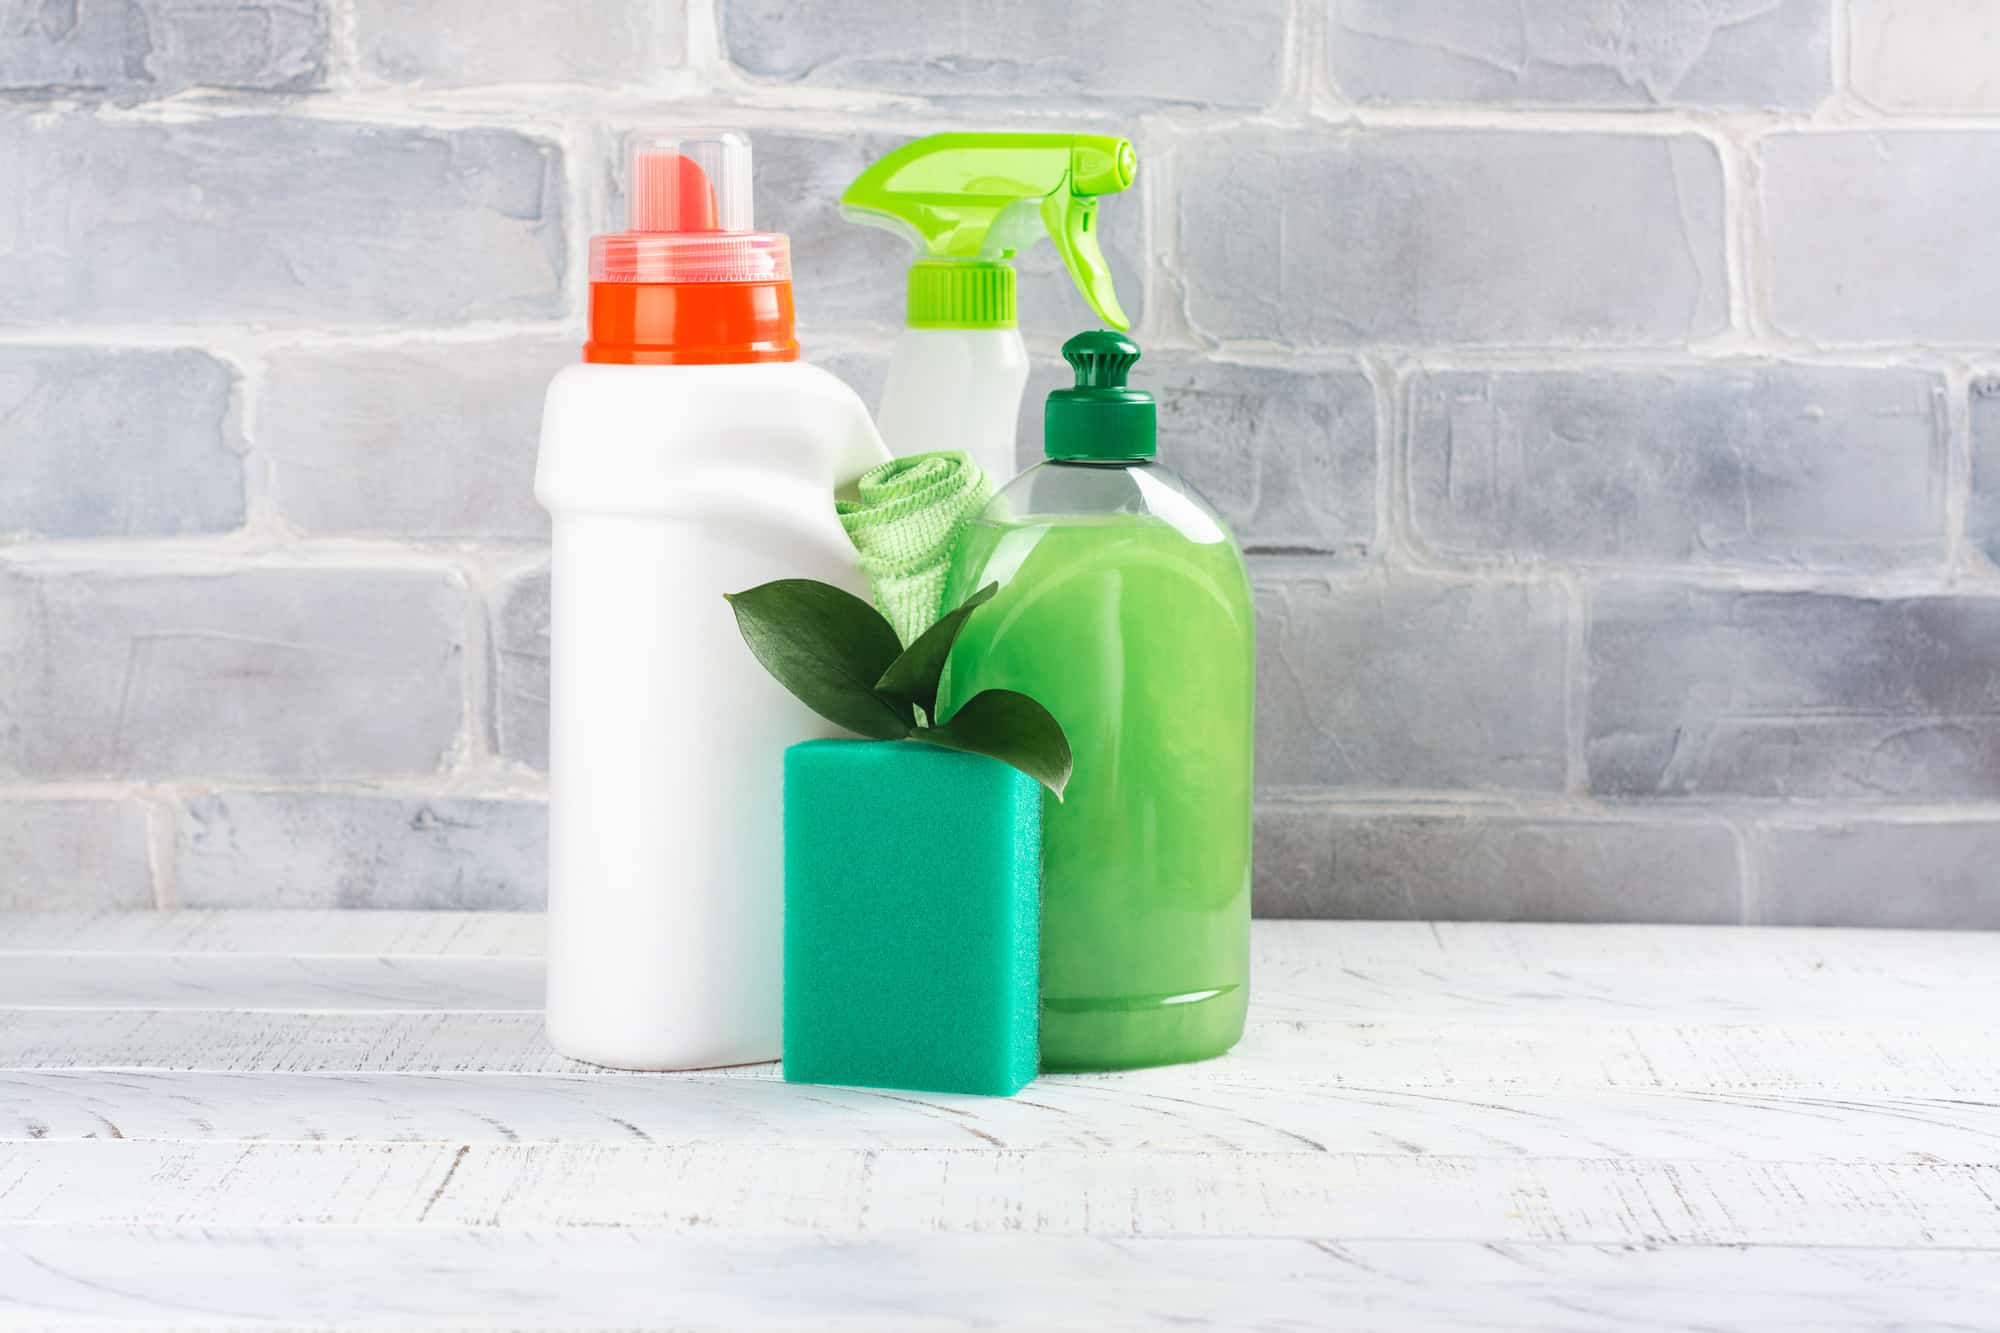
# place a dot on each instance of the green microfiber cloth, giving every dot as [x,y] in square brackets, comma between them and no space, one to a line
[905,525]
[912,918]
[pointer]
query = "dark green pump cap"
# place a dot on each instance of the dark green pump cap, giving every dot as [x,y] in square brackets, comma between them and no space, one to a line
[1100,420]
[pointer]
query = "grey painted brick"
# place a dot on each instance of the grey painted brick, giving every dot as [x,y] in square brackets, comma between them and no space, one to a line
[1464,236]
[1736,53]
[326,849]
[279,221]
[455,42]
[1368,679]
[1982,520]
[1286,453]
[102,443]
[847,273]
[1753,466]
[1925,55]
[1868,231]
[1871,873]
[1460,867]
[1030,52]
[130,49]
[74,855]
[410,441]
[1714,693]
[275,672]
[520,704]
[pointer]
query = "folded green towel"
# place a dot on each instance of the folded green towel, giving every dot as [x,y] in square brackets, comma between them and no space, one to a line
[905,524]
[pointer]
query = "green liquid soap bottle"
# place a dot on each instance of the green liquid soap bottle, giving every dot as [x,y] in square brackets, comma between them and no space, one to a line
[1124,608]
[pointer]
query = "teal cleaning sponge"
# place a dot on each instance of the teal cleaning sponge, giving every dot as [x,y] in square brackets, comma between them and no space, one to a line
[912,918]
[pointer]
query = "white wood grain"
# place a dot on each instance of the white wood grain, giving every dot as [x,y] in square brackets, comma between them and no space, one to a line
[268,982]
[219,1119]
[1288,982]
[1506,947]
[1952,1058]
[1149,1110]
[759,1191]
[286,933]
[180,1279]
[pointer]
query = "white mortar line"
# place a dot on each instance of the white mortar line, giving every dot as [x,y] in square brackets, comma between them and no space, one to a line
[1742,256]
[162,845]
[1749,872]
[1394,542]
[244,550]
[1709,354]
[704,42]
[1747,813]
[512,782]
[502,782]
[343,53]
[1840,49]
[722,96]
[711,90]
[262,523]
[1302,83]
[1875,585]
[239,340]
[242,339]
[247,551]
[1165,323]
[1961,560]
[1576,686]
[488,577]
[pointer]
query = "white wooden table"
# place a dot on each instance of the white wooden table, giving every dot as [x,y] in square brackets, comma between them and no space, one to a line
[329,1120]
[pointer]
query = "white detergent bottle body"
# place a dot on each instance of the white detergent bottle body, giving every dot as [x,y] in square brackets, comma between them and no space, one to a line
[956,389]
[692,455]
[667,487]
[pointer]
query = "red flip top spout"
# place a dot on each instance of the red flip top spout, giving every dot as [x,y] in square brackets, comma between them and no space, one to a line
[690,281]
[670,193]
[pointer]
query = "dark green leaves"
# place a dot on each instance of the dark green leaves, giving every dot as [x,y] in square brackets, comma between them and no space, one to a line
[913,677]
[1015,730]
[828,647]
[842,660]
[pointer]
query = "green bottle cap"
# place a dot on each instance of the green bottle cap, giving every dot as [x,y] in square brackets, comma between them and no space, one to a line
[1100,420]
[948,294]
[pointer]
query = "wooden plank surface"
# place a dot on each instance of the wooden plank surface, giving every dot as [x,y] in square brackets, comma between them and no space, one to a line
[217,1119]
[762,1190]
[1290,983]
[1518,948]
[281,933]
[1147,1110]
[1954,1058]
[185,1278]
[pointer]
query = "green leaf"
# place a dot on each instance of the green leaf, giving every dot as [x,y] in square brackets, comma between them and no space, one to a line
[828,647]
[913,676]
[1010,727]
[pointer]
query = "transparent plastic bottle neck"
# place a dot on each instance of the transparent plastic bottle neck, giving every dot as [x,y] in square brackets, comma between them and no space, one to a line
[1061,490]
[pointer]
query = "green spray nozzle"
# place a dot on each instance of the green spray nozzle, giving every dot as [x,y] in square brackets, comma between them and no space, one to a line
[984,198]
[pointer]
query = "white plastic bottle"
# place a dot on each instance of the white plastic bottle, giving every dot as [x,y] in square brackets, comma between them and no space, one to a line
[689,456]
[956,389]
[970,203]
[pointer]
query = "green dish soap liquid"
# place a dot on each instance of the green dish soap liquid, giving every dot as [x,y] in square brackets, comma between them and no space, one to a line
[1124,608]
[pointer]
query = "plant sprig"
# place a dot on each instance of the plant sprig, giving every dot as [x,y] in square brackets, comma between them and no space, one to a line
[841,659]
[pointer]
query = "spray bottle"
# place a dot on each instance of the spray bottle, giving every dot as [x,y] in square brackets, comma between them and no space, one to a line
[971,203]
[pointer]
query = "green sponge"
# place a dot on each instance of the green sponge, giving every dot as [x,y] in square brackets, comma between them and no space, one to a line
[912,918]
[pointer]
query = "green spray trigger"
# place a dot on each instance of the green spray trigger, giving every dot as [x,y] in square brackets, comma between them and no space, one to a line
[971,202]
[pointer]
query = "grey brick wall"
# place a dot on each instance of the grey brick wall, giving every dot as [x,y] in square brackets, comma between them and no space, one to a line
[1608,396]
